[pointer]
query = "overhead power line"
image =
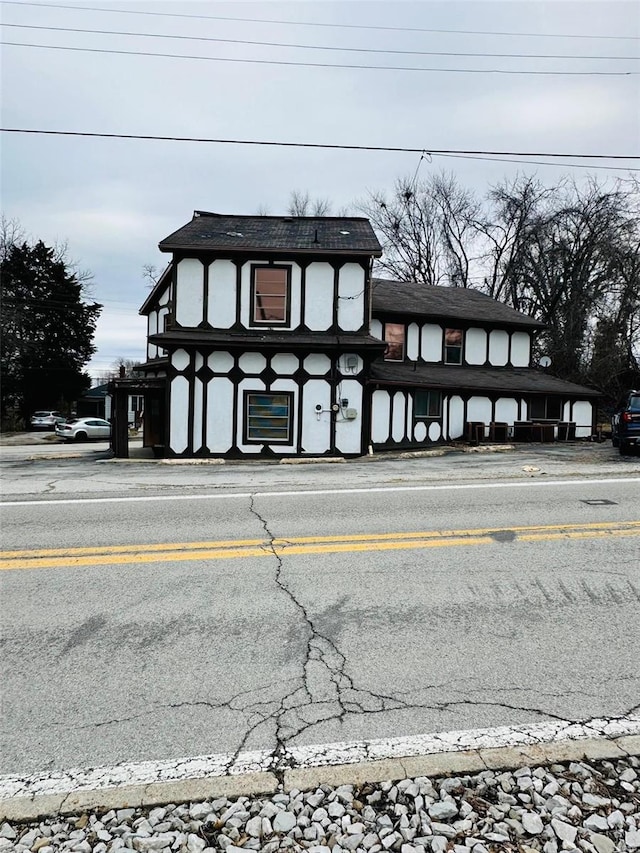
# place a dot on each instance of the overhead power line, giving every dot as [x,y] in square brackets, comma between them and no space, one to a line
[459,152]
[329,25]
[283,62]
[87,31]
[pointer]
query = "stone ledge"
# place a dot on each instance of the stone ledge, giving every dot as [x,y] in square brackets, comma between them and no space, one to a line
[21,809]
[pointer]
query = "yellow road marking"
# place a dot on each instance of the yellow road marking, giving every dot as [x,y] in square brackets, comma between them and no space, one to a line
[244,548]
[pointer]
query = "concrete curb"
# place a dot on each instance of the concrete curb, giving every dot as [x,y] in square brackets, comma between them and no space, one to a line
[23,809]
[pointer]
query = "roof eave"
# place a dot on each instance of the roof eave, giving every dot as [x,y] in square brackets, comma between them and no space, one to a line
[252,250]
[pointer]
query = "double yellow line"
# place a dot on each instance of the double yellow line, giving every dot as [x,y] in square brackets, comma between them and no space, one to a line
[48,558]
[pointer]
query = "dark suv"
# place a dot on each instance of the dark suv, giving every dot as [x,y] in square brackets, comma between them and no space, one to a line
[625,424]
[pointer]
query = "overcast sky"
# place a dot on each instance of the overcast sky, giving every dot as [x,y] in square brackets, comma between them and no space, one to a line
[113,200]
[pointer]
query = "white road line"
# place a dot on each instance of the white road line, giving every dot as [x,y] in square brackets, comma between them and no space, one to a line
[318,755]
[521,484]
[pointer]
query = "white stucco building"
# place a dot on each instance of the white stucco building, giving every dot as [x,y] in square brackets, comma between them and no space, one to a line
[267,336]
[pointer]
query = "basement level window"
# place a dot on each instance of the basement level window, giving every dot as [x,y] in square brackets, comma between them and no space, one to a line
[427,404]
[545,408]
[268,417]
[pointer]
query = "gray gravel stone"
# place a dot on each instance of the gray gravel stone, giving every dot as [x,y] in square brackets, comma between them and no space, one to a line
[539,810]
[532,823]
[284,821]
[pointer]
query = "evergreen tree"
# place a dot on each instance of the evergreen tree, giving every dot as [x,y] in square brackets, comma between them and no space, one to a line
[47,329]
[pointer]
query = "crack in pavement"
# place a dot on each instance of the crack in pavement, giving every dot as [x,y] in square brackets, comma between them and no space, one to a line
[327,691]
[323,662]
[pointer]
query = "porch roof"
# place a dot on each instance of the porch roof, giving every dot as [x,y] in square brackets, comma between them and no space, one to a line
[522,380]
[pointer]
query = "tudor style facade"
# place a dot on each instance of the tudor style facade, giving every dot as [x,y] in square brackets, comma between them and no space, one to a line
[260,326]
[456,357]
[267,336]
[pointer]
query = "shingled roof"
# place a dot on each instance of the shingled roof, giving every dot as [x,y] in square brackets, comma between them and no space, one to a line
[409,298]
[478,379]
[297,234]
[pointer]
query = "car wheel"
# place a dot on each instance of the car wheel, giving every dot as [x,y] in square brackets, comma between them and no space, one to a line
[625,448]
[615,441]
[81,436]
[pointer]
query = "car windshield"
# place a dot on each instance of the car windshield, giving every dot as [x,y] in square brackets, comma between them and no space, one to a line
[41,414]
[634,403]
[73,420]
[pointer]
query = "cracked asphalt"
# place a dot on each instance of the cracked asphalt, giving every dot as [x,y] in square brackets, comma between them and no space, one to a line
[112,655]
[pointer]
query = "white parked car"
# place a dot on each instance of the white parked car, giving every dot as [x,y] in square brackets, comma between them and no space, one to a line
[46,419]
[84,429]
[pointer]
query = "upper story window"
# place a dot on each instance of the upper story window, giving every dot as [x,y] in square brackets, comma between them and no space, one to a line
[453,346]
[394,339]
[270,296]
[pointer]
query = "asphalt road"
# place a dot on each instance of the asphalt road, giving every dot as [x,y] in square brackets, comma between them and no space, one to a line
[168,611]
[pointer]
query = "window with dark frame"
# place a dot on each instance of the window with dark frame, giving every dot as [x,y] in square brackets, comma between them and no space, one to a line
[427,404]
[545,408]
[268,417]
[394,339]
[453,346]
[269,295]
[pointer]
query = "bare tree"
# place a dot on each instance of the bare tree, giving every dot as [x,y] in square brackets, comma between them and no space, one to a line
[408,226]
[301,204]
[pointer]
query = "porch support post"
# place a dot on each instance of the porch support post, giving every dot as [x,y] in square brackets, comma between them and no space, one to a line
[120,428]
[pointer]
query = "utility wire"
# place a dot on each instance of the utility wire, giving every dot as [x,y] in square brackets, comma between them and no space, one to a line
[323,145]
[317,23]
[319,47]
[282,62]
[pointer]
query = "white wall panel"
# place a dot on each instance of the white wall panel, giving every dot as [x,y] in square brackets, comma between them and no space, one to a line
[380,408]
[475,350]
[455,426]
[285,363]
[189,292]
[316,428]
[375,329]
[152,323]
[198,360]
[198,414]
[317,364]
[296,296]
[520,349]
[179,414]
[180,359]
[252,362]
[582,416]
[350,364]
[219,416]
[431,342]
[413,336]
[399,416]
[479,409]
[420,431]
[351,297]
[498,347]
[349,433]
[288,385]
[221,309]
[220,362]
[434,431]
[318,308]
[252,384]
[506,410]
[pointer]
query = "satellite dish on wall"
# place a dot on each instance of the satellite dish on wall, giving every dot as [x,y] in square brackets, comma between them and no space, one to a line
[545,361]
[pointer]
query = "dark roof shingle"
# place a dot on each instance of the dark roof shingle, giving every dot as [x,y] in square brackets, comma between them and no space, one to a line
[447,303]
[454,377]
[306,234]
